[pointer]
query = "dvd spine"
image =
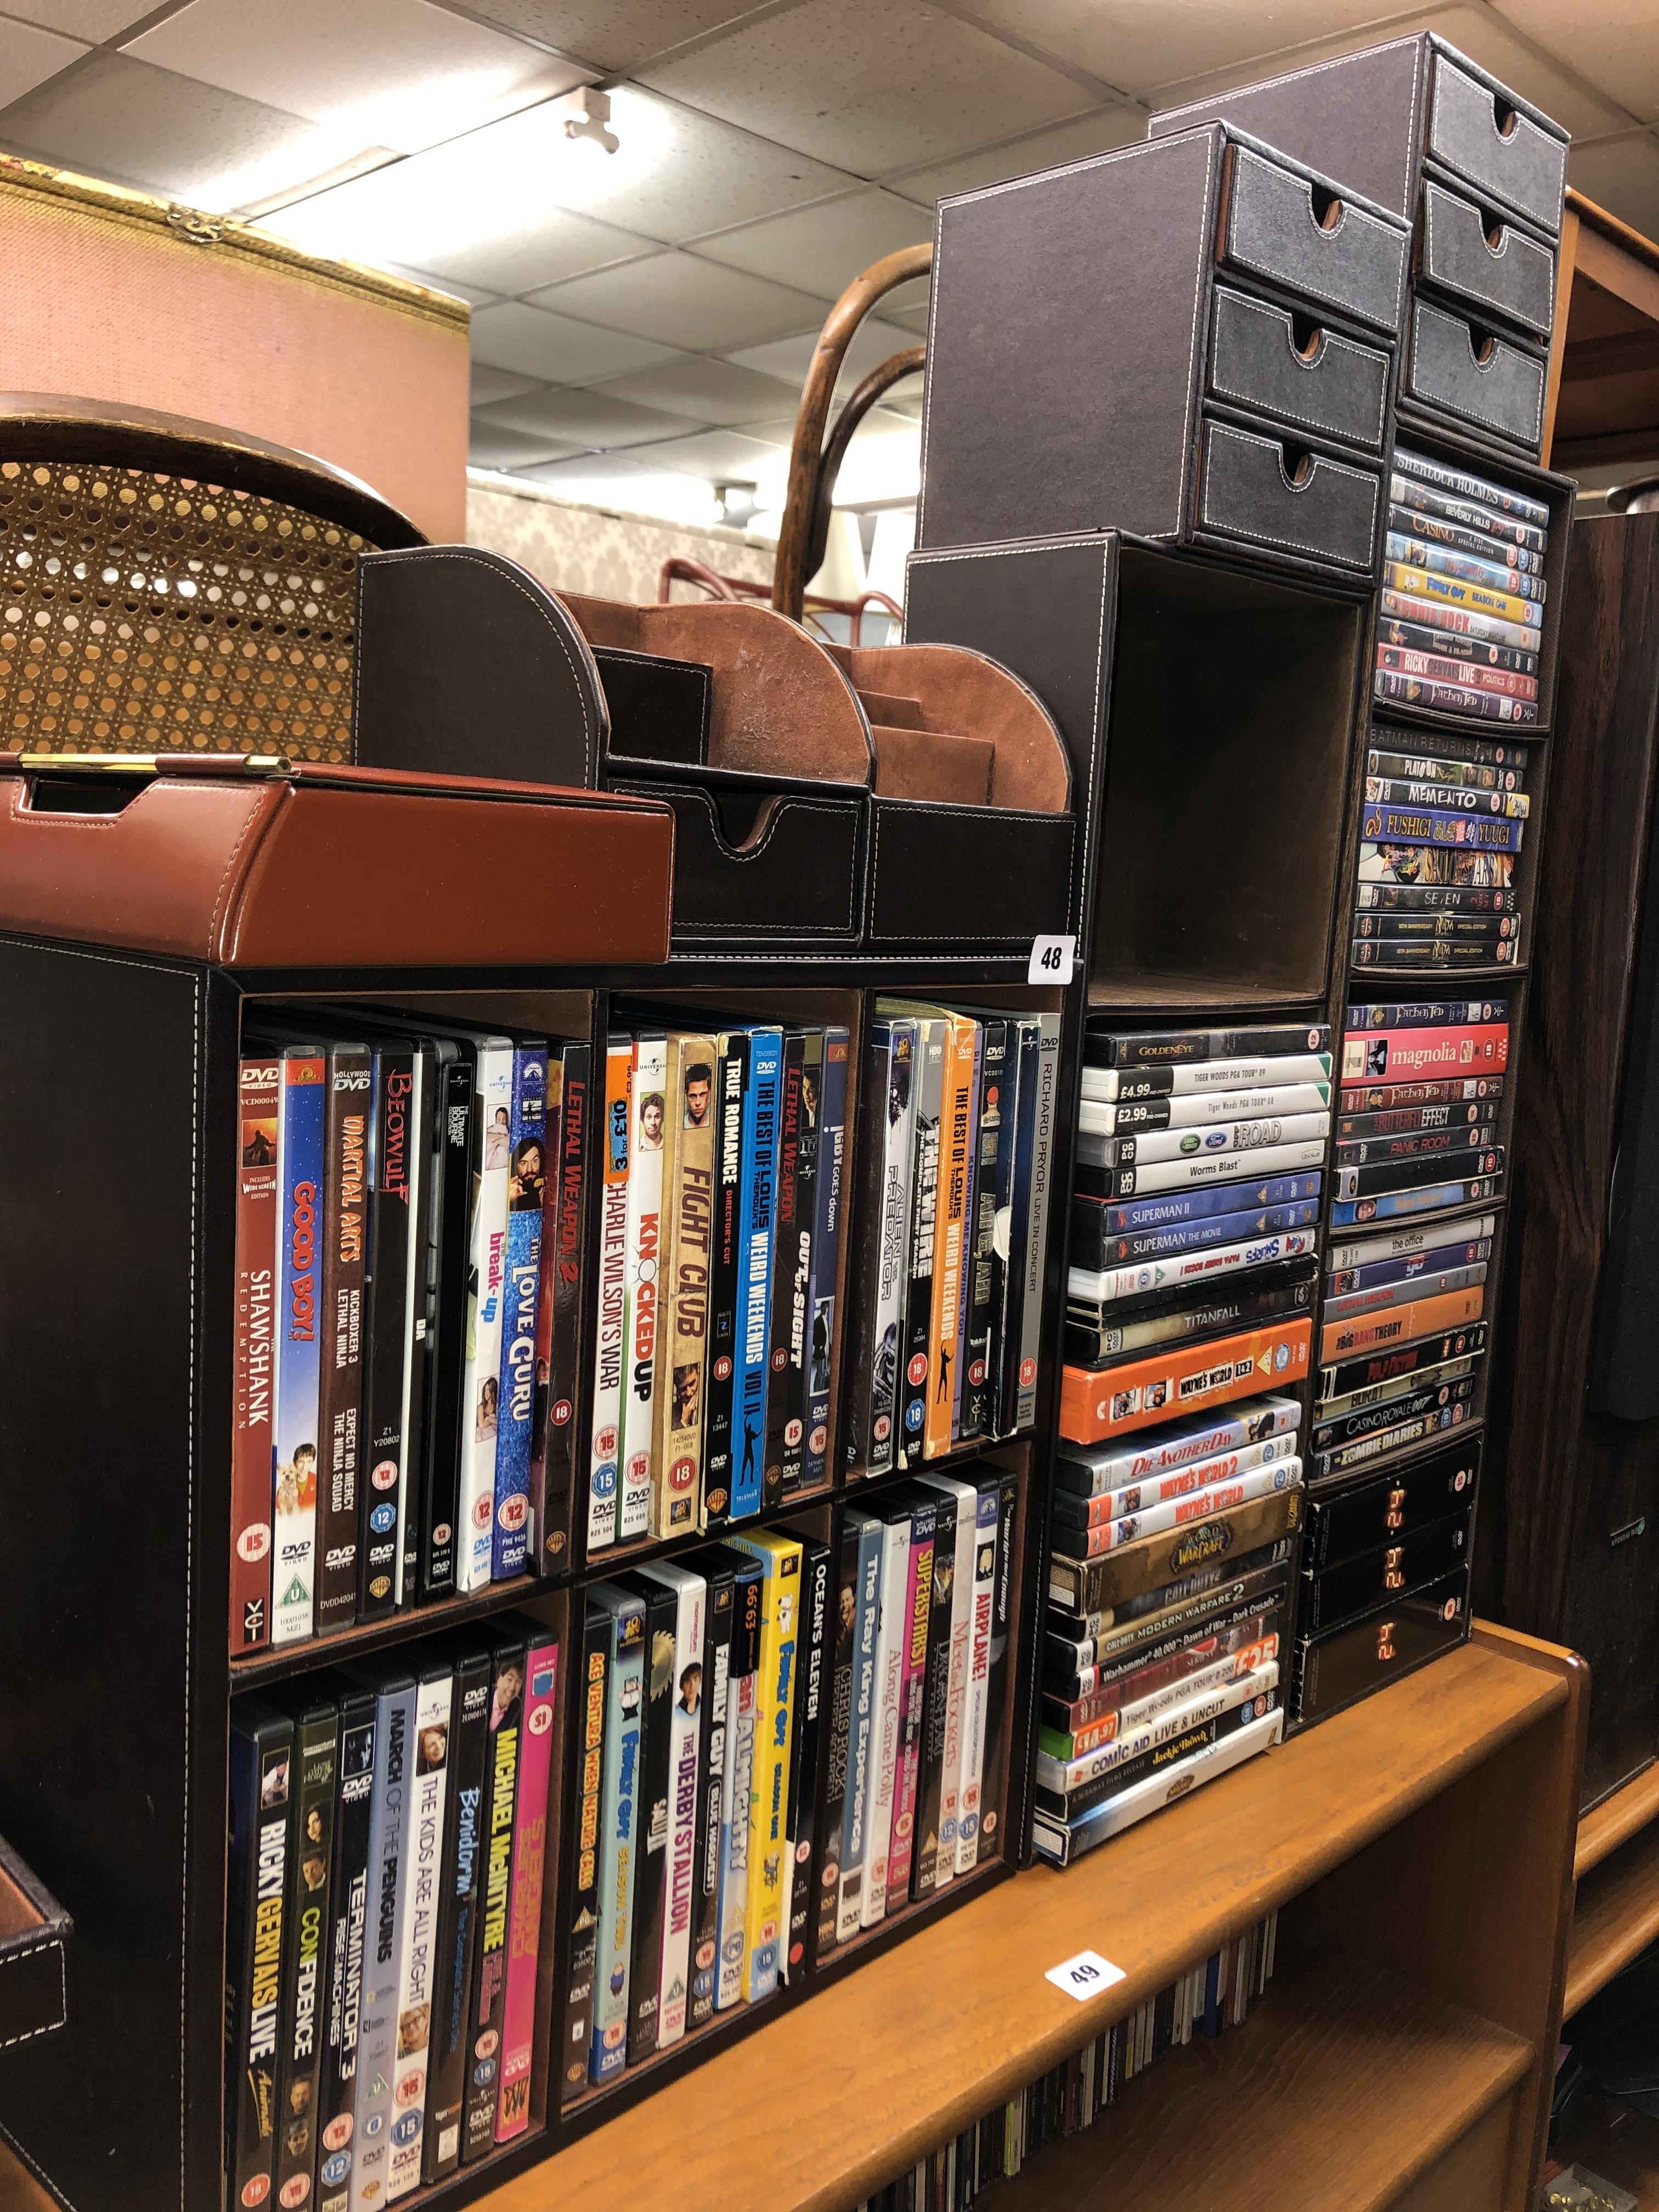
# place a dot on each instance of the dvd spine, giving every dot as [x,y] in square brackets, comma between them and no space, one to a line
[529,1866]
[796,1260]
[354,1814]
[969,1219]
[505,1756]
[955,1143]
[261,1759]
[381,1532]
[259,1098]
[913,1693]
[1035,1255]
[563,1290]
[419,1346]
[689,1210]
[916,1314]
[685,1693]
[458,1922]
[889,1711]
[802,1827]
[830,1204]
[927,1825]
[731,1069]
[604,1455]
[768,1889]
[738,1785]
[637,1489]
[864,1709]
[418,1972]
[299,1369]
[979,1386]
[586,1812]
[350,1079]
[521,1279]
[752,1349]
[304,2008]
[480,1408]
[831,1823]
[711,1781]
[959,1672]
[652,1816]
[782,1380]
[453,1138]
[994,1780]
[377,2028]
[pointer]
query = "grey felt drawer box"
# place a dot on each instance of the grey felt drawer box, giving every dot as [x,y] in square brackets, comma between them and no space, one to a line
[1288,231]
[1310,505]
[1497,391]
[1513,279]
[1512,159]
[1327,386]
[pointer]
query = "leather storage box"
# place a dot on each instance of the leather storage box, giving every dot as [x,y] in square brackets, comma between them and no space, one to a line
[829,798]
[1497,269]
[1377,117]
[1496,387]
[1191,340]
[36,1939]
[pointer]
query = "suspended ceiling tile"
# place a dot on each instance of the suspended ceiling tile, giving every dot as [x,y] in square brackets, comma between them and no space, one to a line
[617,34]
[490,446]
[790,358]
[869,88]
[581,418]
[705,390]
[136,125]
[398,73]
[99,21]
[554,349]
[28,57]
[722,456]
[1612,43]
[492,384]
[1622,175]
[1096,132]
[1479,32]
[679,300]
[462,217]
[823,248]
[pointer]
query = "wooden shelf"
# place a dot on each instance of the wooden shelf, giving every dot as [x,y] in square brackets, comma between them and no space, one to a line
[1346,2084]
[881,2067]
[365,1636]
[1616,1819]
[1616,1917]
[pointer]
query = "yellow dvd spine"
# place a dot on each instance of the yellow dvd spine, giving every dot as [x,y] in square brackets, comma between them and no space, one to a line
[768,1795]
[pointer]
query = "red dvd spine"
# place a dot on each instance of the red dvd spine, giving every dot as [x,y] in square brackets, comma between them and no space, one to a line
[258,1098]
[529,1867]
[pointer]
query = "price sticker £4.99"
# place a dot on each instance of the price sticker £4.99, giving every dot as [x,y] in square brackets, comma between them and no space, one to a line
[1085,1976]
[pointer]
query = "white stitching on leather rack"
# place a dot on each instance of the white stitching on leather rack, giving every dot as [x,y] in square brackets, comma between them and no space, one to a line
[465,555]
[16,1958]
[1481,368]
[45,2180]
[1331,343]
[838,810]
[971,814]
[1433,192]
[1361,216]
[927,380]
[1266,537]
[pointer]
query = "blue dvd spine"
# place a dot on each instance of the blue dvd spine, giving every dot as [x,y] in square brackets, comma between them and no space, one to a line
[516,1421]
[299,1364]
[1165,1208]
[830,1204]
[608,2051]
[760,1147]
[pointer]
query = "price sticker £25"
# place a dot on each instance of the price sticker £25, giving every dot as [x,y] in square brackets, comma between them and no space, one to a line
[1051,960]
[1085,1976]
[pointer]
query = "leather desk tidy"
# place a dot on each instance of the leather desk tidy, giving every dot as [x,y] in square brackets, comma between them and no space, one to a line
[824,796]
[272,865]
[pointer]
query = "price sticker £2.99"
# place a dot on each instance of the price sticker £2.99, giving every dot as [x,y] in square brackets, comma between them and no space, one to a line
[1085,1976]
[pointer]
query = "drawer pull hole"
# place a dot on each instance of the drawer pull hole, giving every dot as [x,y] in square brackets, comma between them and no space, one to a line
[1494,232]
[1326,207]
[1296,464]
[1307,337]
[1503,116]
[1484,346]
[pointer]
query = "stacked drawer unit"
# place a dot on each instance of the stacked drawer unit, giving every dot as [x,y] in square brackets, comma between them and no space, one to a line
[1481,177]
[1193,340]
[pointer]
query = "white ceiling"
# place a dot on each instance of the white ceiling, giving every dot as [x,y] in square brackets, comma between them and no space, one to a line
[648,315]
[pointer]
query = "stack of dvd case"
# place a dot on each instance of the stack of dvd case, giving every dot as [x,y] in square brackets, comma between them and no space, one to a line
[1441,832]
[950,1231]
[408,1293]
[387,1856]
[718,1263]
[1460,615]
[1214,1995]
[779,1750]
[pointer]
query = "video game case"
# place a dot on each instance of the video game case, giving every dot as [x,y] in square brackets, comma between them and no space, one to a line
[784,1396]
[1148,1148]
[838,1755]
[1094,1643]
[529,1832]
[758,1209]
[456,1946]
[624,1614]
[1199,1110]
[928,1840]
[1351,1660]
[888,1722]
[651,1817]
[1349,1524]
[982,1589]
[347,1935]
[738,1782]
[1407,550]
[259,1106]
[1138,1048]
[1394,1572]
[559,1316]
[1465,485]
[1193,1081]
[1201,1171]
[732,1077]
[1158,1561]
[395,1692]
[689,1590]
[1452,699]
[454,1141]
[587,1816]
[261,1794]
[313,1781]
[481,1376]
[716,1566]
[798,1278]
[505,1730]
[423,1880]
[814,1661]
[688,1215]
[609,1339]
[521,1282]
[300,1169]
[1076,1511]
[1403,601]
[769,1893]
[994,1765]
[863,1633]
[1410,521]
[830,1208]
[913,1686]
[636,1478]
[1485,517]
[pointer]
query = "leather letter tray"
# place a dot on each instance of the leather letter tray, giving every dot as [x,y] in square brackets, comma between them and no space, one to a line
[825,798]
